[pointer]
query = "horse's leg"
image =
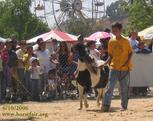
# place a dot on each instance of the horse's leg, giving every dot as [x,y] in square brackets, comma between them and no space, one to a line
[85,101]
[99,96]
[80,88]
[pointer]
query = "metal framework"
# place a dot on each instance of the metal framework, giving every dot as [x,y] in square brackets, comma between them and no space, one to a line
[64,11]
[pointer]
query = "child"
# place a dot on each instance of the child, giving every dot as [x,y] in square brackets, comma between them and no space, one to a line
[142,48]
[35,78]
[64,84]
[54,61]
[52,83]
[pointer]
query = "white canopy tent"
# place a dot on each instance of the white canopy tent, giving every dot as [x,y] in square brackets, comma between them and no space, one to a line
[55,34]
[147,33]
[2,39]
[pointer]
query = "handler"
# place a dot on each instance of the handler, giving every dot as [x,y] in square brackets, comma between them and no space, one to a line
[120,53]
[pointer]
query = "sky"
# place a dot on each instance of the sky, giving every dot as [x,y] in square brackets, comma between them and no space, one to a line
[48,9]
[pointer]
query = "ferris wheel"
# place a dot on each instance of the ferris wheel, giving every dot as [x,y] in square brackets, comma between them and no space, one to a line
[42,9]
[61,12]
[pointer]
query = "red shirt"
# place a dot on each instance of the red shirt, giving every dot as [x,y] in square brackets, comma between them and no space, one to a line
[4,56]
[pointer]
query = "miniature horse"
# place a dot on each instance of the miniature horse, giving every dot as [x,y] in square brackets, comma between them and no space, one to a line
[89,75]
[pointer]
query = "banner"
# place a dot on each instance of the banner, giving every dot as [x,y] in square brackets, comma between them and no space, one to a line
[142,72]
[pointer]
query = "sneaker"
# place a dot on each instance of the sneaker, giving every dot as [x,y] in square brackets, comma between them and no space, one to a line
[124,109]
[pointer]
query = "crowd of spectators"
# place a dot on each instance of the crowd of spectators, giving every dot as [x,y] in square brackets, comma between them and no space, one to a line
[138,45]
[31,71]
[26,72]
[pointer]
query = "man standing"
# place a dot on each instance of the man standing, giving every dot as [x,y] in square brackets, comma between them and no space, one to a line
[20,52]
[9,59]
[1,68]
[120,53]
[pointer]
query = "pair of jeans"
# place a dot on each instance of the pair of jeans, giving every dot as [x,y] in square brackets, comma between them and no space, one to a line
[21,76]
[43,81]
[20,72]
[7,80]
[7,76]
[123,78]
[35,89]
[27,79]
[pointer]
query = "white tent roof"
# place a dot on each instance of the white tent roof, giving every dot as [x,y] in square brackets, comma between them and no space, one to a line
[55,34]
[2,39]
[147,33]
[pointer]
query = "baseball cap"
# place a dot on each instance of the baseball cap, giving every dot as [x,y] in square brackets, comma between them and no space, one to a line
[32,59]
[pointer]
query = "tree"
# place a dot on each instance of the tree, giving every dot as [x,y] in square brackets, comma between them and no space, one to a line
[17,20]
[140,14]
[79,27]
[115,11]
[85,27]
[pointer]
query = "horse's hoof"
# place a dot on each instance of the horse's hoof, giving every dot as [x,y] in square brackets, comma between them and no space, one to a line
[86,105]
[80,108]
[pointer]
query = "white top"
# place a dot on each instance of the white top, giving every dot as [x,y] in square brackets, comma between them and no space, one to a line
[35,47]
[19,54]
[36,71]
[44,60]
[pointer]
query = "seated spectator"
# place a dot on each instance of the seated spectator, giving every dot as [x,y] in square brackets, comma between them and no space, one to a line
[142,48]
[151,45]
[51,88]
[133,40]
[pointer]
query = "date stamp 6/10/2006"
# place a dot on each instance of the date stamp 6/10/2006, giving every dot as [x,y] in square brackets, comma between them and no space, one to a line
[20,111]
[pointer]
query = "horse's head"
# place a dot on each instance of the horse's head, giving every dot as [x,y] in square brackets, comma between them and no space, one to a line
[83,53]
[85,57]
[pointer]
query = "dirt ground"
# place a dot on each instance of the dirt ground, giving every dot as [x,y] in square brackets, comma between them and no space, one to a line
[140,109]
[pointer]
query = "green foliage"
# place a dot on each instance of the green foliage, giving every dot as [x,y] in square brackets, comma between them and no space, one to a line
[117,10]
[84,27]
[140,14]
[17,20]
[79,27]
